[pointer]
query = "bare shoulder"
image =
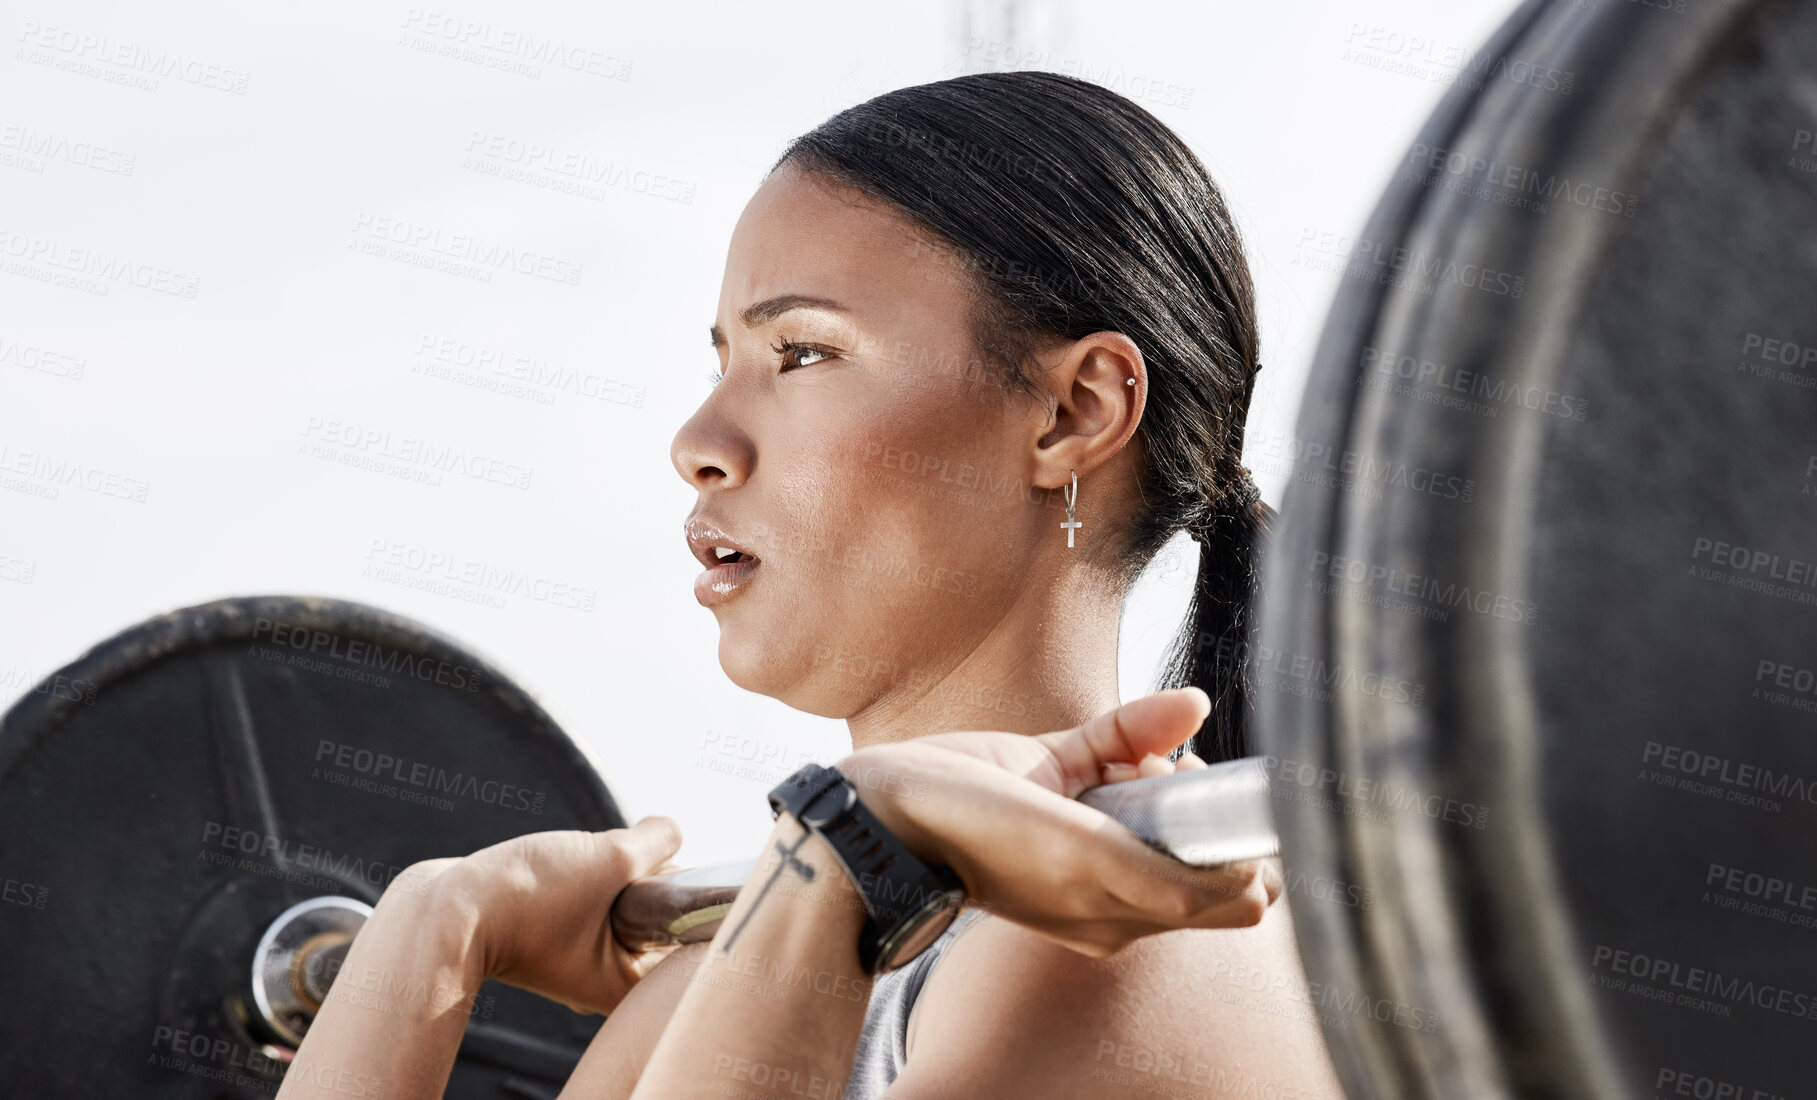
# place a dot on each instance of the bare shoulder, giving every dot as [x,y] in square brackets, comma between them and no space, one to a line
[616,1057]
[1205,1013]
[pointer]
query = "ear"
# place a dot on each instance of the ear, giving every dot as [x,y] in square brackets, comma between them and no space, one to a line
[1093,408]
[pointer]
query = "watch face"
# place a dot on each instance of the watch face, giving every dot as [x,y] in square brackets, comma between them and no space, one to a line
[919,930]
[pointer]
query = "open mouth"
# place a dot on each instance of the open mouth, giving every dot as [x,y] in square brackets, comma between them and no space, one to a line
[729,575]
[729,566]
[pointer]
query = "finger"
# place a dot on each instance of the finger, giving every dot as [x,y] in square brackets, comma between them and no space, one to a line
[1242,895]
[1189,762]
[1146,885]
[1243,911]
[1152,765]
[1153,724]
[1116,773]
[1274,880]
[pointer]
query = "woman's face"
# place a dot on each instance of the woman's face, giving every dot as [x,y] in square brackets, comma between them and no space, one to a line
[859,450]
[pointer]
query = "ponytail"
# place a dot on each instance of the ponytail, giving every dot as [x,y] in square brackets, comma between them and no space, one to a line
[1211,651]
[1077,211]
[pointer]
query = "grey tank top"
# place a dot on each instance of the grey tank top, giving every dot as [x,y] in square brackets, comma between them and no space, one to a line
[883,1045]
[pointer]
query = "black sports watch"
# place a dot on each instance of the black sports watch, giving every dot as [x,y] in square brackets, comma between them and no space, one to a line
[907,903]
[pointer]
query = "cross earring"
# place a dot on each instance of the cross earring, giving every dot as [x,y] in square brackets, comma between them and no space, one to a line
[1072,499]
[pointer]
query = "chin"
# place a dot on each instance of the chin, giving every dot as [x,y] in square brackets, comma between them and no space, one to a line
[748,658]
[753,662]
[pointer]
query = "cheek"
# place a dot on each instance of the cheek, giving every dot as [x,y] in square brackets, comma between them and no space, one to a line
[917,506]
[899,525]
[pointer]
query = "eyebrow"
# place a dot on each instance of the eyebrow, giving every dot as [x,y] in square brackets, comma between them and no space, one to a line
[771,308]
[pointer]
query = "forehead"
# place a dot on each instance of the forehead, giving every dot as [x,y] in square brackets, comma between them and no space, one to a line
[802,233]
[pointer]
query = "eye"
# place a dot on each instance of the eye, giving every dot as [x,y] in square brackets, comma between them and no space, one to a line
[715,377]
[798,355]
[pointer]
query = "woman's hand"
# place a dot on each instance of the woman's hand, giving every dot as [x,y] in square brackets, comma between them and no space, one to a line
[531,911]
[540,905]
[998,809]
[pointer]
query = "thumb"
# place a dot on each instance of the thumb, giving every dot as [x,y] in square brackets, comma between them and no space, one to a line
[648,844]
[1152,724]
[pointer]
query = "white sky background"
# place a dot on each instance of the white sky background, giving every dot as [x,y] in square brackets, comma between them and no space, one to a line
[259,195]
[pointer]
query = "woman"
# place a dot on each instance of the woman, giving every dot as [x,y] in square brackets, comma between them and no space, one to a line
[985,345]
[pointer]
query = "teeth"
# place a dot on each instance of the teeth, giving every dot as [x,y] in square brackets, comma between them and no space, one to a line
[724,553]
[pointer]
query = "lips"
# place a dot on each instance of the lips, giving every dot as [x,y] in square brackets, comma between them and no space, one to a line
[730,564]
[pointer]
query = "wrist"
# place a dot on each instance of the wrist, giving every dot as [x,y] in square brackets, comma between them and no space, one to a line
[893,787]
[441,903]
[906,899]
[415,958]
[829,891]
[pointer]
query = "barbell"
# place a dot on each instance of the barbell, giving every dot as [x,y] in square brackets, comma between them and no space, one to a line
[1562,488]
[1536,674]
[197,814]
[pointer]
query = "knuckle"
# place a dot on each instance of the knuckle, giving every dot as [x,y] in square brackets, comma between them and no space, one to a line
[613,847]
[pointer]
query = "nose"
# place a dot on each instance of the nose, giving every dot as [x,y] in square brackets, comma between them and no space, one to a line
[710,451]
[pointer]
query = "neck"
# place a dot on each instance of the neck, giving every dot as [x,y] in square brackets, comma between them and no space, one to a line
[1049,664]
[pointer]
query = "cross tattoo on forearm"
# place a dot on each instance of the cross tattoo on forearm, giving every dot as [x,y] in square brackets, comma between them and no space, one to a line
[788,860]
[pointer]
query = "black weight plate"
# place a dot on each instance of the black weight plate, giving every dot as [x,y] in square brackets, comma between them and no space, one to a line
[168,794]
[1585,816]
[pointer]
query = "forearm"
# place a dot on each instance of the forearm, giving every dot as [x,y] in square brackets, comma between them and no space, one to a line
[393,1021]
[776,1007]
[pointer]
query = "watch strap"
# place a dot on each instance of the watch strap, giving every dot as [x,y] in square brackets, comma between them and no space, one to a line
[893,882]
